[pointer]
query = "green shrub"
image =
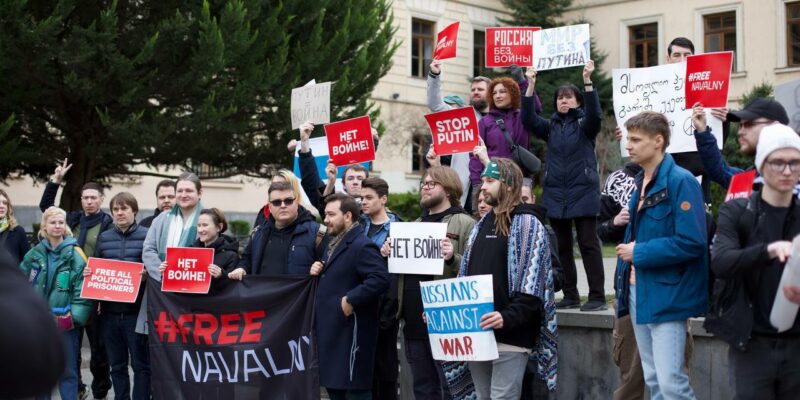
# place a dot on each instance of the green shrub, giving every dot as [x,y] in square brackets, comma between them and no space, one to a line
[240,227]
[405,205]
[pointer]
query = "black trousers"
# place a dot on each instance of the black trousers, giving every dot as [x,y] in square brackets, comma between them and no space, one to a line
[98,364]
[589,244]
[768,370]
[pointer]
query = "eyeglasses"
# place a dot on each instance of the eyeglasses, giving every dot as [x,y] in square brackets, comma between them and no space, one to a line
[750,124]
[428,185]
[279,202]
[780,165]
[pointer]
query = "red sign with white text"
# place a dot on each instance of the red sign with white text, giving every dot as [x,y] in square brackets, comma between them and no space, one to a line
[509,45]
[187,270]
[112,280]
[453,131]
[741,185]
[350,141]
[707,79]
[446,42]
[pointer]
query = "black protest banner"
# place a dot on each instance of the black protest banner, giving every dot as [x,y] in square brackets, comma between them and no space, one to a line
[247,340]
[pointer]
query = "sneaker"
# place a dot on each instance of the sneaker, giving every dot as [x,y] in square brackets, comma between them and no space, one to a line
[566,303]
[82,393]
[594,305]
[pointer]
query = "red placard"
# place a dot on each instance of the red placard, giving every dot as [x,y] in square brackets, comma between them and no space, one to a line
[112,280]
[741,185]
[707,79]
[509,45]
[446,42]
[453,131]
[350,141]
[187,270]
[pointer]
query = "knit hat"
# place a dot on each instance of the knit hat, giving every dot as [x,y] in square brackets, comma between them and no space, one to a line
[774,137]
[454,100]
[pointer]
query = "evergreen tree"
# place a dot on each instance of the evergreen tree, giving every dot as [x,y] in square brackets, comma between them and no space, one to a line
[115,84]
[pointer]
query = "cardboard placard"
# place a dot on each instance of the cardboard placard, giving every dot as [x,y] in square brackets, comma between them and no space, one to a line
[417,248]
[447,42]
[453,309]
[741,185]
[311,103]
[509,45]
[707,79]
[112,280]
[187,270]
[562,47]
[453,131]
[350,141]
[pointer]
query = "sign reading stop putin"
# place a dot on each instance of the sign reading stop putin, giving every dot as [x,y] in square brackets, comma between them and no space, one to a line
[187,270]
[350,141]
[454,131]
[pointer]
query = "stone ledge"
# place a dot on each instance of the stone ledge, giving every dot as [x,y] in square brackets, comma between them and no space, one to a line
[605,320]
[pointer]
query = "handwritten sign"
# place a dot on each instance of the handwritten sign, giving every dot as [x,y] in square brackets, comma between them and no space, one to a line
[509,45]
[562,47]
[453,309]
[741,185]
[112,280]
[350,141]
[187,270]
[708,76]
[453,131]
[312,103]
[447,42]
[417,248]
[659,89]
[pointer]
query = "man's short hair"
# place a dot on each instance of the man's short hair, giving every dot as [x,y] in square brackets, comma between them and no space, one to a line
[166,183]
[448,178]
[280,187]
[356,168]
[650,123]
[682,42]
[190,177]
[380,186]
[124,199]
[347,204]
[93,186]
[483,79]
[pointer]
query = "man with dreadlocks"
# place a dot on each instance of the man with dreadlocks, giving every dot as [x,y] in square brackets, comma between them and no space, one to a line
[513,246]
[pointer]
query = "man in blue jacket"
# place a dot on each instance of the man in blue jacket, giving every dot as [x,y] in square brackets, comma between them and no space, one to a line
[662,272]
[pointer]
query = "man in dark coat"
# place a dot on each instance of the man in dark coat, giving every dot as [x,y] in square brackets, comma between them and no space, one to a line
[352,276]
[165,198]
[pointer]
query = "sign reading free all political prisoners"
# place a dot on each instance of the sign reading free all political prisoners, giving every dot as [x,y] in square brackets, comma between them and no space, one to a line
[660,89]
[453,309]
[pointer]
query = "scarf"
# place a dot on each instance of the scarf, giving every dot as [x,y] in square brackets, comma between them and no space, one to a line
[338,239]
[530,272]
[88,222]
[3,224]
[187,235]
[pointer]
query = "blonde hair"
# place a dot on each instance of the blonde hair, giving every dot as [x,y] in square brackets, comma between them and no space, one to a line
[291,178]
[12,221]
[52,212]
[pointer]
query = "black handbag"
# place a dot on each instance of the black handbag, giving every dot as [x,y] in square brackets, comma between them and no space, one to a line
[527,162]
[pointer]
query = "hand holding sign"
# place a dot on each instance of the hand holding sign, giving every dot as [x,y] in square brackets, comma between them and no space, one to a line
[111,280]
[447,249]
[436,66]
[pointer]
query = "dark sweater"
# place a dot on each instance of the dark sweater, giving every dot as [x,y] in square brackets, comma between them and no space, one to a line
[16,242]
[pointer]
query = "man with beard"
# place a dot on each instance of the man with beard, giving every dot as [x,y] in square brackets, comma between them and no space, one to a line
[440,191]
[165,198]
[287,243]
[347,326]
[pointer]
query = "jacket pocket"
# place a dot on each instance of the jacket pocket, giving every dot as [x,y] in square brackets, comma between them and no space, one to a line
[668,276]
[658,212]
[62,281]
[617,352]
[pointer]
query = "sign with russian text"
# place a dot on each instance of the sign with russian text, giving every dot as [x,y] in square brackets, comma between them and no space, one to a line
[741,185]
[509,45]
[250,340]
[417,248]
[447,42]
[707,79]
[453,131]
[453,309]
[187,270]
[350,141]
[659,89]
[562,47]
[112,280]
[311,103]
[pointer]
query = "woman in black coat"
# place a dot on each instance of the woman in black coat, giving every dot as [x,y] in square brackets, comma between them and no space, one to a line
[211,225]
[12,236]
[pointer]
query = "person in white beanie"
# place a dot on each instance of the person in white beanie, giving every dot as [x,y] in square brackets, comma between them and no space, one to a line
[749,253]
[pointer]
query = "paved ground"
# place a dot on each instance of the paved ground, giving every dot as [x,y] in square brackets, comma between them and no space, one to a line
[609,265]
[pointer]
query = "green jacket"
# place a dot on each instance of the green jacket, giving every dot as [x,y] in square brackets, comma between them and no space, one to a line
[459,227]
[62,288]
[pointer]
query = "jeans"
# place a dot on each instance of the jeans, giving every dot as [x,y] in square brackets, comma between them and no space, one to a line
[589,244]
[499,379]
[661,348]
[68,385]
[429,380]
[344,394]
[121,340]
[768,370]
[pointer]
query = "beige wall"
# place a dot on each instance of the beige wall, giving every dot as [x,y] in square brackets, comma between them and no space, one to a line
[760,33]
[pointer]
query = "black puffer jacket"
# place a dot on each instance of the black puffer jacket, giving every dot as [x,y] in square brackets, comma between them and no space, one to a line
[226,255]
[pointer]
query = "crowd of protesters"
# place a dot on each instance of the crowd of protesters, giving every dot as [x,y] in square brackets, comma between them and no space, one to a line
[675,261]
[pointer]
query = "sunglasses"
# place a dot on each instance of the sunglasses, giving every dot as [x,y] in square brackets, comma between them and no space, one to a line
[279,202]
